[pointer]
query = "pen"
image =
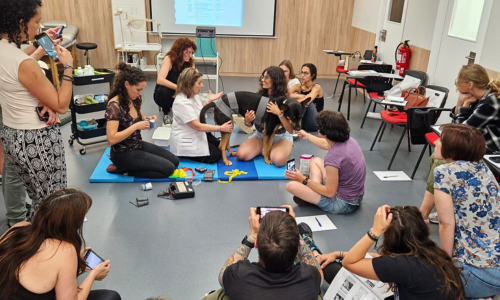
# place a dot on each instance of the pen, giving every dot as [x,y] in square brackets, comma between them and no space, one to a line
[318,222]
[390,176]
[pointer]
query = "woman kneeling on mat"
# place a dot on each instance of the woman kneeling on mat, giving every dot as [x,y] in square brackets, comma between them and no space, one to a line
[129,153]
[337,183]
[273,84]
[190,138]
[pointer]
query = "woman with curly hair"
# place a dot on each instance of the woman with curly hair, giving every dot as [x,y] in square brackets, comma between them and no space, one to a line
[408,260]
[272,85]
[24,87]
[336,183]
[125,120]
[42,259]
[177,59]
[467,200]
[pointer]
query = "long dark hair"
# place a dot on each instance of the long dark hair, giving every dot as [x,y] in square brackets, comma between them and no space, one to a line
[134,76]
[312,69]
[15,14]
[408,235]
[279,87]
[60,217]
[176,54]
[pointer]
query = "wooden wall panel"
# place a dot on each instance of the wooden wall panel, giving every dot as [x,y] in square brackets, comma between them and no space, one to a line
[303,30]
[361,40]
[493,74]
[95,20]
[419,58]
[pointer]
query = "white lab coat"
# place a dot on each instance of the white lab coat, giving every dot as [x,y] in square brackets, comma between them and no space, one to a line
[184,140]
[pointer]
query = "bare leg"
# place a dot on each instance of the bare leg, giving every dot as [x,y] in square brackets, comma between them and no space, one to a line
[249,149]
[280,152]
[317,174]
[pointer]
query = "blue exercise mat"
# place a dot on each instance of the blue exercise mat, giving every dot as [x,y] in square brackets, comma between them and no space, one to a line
[101,175]
[257,170]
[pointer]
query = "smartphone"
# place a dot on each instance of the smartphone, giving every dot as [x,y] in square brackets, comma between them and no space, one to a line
[60,31]
[495,159]
[263,210]
[48,45]
[45,116]
[200,169]
[290,165]
[92,259]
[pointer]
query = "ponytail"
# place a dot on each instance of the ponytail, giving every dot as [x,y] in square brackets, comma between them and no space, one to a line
[133,76]
[494,85]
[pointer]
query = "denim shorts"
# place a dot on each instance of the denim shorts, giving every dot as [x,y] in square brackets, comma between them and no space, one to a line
[277,137]
[336,205]
[480,283]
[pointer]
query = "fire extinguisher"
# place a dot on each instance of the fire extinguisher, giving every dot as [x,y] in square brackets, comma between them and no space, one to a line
[403,54]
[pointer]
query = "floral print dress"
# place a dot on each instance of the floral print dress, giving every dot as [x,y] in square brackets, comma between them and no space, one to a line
[476,201]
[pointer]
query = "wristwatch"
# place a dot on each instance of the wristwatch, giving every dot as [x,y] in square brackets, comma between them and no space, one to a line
[305,180]
[247,243]
[36,44]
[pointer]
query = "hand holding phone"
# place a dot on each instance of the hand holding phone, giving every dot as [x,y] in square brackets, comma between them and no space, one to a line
[60,31]
[290,165]
[45,117]
[263,210]
[48,45]
[92,259]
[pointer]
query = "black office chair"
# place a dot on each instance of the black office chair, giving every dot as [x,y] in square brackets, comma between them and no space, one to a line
[357,82]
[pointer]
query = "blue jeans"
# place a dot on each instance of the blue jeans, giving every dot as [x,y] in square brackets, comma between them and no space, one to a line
[336,205]
[277,137]
[309,118]
[480,283]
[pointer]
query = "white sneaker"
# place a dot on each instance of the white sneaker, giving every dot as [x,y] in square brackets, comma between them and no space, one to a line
[433,218]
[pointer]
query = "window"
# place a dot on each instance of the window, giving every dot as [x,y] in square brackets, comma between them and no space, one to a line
[465,19]
[396,13]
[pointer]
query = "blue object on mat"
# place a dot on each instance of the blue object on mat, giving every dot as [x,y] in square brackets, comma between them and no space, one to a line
[268,172]
[100,174]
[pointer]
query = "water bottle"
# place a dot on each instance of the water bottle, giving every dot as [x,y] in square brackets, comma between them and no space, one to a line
[305,161]
[79,72]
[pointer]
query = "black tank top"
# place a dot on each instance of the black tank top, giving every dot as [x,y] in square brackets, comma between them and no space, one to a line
[172,76]
[319,101]
[23,294]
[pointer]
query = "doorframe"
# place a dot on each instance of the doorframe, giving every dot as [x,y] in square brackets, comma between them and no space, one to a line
[383,13]
[439,29]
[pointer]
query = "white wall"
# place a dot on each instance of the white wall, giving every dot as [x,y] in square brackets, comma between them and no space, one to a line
[420,21]
[490,56]
[365,14]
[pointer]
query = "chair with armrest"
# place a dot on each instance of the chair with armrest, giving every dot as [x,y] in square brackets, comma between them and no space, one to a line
[360,82]
[377,96]
[436,100]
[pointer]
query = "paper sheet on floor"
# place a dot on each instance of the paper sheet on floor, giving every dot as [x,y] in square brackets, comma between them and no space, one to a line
[374,115]
[392,175]
[315,221]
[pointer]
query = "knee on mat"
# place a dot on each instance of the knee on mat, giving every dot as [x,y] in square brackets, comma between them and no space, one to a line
[242,155]
[279,160]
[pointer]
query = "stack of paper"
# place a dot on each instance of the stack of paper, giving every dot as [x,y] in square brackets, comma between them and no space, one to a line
[395,99]
[363,73]
[392,176]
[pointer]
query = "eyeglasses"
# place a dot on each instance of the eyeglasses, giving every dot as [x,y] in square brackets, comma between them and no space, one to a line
[305,73]
[265,77]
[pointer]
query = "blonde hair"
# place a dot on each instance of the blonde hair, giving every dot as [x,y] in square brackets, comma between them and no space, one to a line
[288,64]
[479,77]
[186,81]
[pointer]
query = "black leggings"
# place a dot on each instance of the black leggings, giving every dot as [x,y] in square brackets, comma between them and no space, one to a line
[150,161]
[103,295]
[331,271]
[213,148]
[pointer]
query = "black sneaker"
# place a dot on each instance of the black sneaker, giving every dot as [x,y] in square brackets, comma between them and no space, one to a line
[114,169]
[306,234]
[301,202]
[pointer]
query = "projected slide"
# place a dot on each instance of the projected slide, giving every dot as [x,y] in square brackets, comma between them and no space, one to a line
[209,12]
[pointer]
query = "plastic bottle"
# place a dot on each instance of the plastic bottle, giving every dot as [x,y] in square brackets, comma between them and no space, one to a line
[79,72]
[91,71]
[374,54]
[305,161]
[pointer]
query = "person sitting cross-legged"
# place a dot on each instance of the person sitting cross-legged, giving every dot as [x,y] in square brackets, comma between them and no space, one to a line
[286,268]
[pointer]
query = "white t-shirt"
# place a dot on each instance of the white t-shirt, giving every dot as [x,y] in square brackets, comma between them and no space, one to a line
[184,140]
[18,104]
[292,82]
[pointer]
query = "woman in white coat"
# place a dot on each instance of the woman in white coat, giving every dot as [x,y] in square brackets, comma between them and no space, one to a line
[189,137]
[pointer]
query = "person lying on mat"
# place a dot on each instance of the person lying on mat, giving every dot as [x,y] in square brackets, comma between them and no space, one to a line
[408,260]
[129,153]
[336,183]
[190,138]
[312,93]
[272,84]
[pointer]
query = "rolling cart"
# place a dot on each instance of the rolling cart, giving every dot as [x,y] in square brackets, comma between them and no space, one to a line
[78,109]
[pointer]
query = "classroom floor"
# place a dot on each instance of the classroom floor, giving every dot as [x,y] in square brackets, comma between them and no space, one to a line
[178,247]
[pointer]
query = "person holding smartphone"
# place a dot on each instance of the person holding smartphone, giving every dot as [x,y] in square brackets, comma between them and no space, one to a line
[286,268]
[23,87]
[336,183]
[42,259]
